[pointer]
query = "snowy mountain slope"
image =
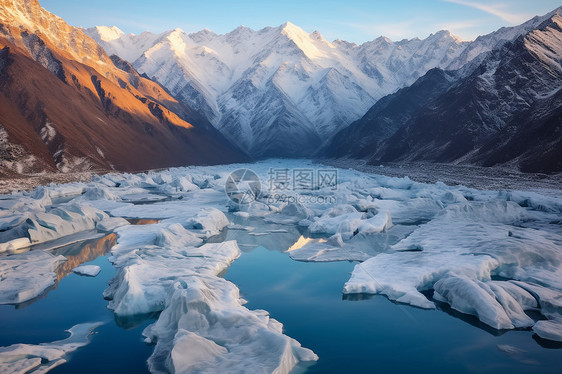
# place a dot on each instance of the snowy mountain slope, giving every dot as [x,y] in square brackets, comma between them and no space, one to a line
[506,110]
[67,106]
[476,50]
[318,86]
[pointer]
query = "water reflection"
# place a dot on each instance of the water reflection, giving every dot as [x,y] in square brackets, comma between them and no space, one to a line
[81,253]
[302,241]
[142,221]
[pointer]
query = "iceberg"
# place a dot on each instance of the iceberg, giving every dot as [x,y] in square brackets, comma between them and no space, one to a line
[401,276]
[87,270]
[27,275]
[42,358]
[486,300]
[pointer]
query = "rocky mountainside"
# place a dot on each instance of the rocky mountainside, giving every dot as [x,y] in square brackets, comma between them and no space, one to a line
[65,105]
[279,91]
[506,110]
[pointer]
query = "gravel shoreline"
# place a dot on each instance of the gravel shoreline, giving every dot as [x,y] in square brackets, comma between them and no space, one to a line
[467,175]
[496,178]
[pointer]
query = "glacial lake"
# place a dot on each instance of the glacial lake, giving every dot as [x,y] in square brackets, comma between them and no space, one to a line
[360,335]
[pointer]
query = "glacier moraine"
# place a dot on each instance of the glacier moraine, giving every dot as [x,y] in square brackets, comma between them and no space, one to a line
[492,255]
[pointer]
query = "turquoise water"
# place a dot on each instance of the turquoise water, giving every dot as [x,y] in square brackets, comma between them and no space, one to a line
[350,336]
[374,334]
[116,347]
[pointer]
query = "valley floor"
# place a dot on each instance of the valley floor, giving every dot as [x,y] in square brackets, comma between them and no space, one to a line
[492,258]
[490,178]
[494,178]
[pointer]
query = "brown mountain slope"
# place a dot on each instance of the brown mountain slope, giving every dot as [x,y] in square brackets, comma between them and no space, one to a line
[64,104]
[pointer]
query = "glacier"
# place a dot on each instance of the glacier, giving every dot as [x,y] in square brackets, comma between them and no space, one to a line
[496,255]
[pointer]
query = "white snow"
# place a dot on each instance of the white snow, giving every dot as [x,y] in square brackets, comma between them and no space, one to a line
[27,275]
[87,270]
[408,238]
[42,358]
[487,300]
[323,84]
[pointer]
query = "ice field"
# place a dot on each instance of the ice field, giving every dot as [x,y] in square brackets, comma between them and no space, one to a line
[493,255]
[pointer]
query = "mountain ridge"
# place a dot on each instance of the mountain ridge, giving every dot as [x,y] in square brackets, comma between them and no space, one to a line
[66,106]
[506,110]
[318,86]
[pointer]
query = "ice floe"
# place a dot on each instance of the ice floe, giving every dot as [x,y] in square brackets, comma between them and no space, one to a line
[87,270]
[42,358]
[493,254]
[27,275]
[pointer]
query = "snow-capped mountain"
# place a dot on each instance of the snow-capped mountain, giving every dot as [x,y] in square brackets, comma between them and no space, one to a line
[67,106]
[280,90]
[506,110]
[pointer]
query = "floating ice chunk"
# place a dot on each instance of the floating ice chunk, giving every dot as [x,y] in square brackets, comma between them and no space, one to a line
[176,235]
[380,222]
[345,224]
[66,190]
[111,223]
[205,328]
[14,244]
[452,197]
[413,211]
[99,193]
[488,301]
[62,221]
[290,214]
[533,200]
[27,275]
[87,270]
[163,178]
[365,205]
[143,285]
[400,276]
[523,297]
[498,211]
[208,222]
[550,300]
[41,358]
[190,205]
[551,329]
[183,184]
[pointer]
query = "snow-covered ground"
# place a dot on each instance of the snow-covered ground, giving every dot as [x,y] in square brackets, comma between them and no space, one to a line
[492,254]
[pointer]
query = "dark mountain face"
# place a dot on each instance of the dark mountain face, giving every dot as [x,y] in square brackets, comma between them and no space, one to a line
[507,110]
[366,137]
[66,106]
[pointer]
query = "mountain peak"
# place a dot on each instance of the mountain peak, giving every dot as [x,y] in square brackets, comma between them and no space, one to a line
[291,29]
[202,36]
[446,34]
[107,33]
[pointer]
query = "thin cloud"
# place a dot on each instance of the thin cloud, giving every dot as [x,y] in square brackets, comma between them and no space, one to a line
[394,31]
[497,10]
[465,29]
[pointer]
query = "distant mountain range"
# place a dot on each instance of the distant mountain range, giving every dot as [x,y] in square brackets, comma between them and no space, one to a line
[175,98]
[66,106]
[279,91]
[505,109]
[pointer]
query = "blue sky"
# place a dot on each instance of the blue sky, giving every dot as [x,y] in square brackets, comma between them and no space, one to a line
[353,20]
